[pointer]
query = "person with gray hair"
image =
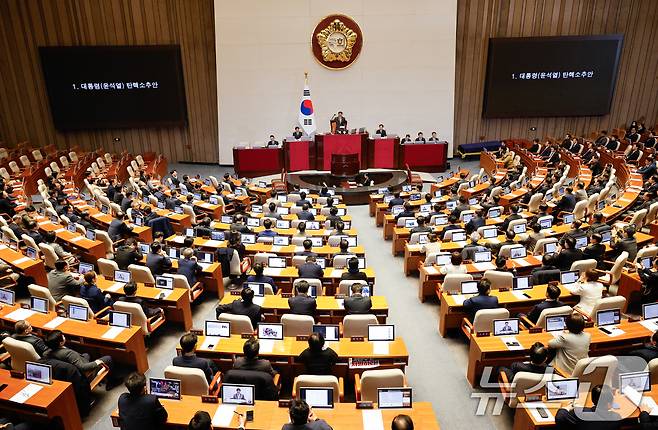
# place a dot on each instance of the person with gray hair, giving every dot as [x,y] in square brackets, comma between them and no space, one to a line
[188,266]
[469,250]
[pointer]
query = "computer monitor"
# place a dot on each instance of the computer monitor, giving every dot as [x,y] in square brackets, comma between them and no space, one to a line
[173,252]
[122,276]
[556,322]
[253,222]
[381,332]
[120,319]
[414,197]
[407,188]
[144,248]
[506,327]
[567,218]
[91,235]
[105,209]
[581,242]
[482,256]
[520,228]
[316,240]
[257,287]
[248,239]
[467,217]
[522,283]
[443,258]
[437,193]
[382,190]
[569,277]
[341,212]
[562,389]
[276,262]
[518,252]
[256,209]
[71,227]
[473,200]
[282,210]
[165,388]
[238,394]
[270,331]
[164,282]
[330,332]
[410,223]
[322,262]
[458,236]
[394,398]
[205,257]
[282,223]
[388,198]
[31,253]
[281,240]
[39,304]
[7,296]
[469,287]
[608,317]
[545,222]
[493,213]
[214,200]
[189,232]
[423,238]
[550,248]
[362,263]
[639,381]
[649,311]
[178,210]
[425,208]
[600,205]
[351,241]
[217,235]
[226,219]
[450,205]
[606,236]
[489,233]
[218,328]
[37,372]
[161,205]
[79,313]
[440,220]
[312,225]
[318,397]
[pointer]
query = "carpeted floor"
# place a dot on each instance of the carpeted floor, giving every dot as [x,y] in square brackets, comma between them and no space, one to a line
[437,366]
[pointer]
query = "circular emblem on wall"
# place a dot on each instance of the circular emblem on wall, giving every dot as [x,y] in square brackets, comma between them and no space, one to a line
[337,41]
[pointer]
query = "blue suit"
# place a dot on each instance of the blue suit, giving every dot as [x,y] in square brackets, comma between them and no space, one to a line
[479,302]
[189,268]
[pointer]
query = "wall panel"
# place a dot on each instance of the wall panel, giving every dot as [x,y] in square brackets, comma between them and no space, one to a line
[636,93]
[27,24]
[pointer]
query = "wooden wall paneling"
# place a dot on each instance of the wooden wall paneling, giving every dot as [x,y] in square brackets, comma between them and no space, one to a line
[637,83]
[27,24]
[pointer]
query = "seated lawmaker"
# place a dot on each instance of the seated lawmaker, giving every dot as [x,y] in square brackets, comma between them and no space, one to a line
[157,260]
[188,266]
[272,143]
[267,232]
[23,332]
[92,294]
[357,303]
[130,291]
[455,265]
[317,359]
[381,132]
[61,281]
[406,139]
[302,418]
[537,364]
[302,303]
[310,269]
[353,273]
[305,213]
[128,254]
[547,272]
[625,241]
[250,361]
[601,415]
[188,357]
[434,137]
[568,254]
[307,244]
[259,277]
[420,138]
[552,301]
[482,301]
[243,306]
[570,345]
[57,349]
[119,228]
[138,410]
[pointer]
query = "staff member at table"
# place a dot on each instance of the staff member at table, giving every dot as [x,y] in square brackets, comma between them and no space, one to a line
[381,131]
[297,134]
[341,123]
[272,143]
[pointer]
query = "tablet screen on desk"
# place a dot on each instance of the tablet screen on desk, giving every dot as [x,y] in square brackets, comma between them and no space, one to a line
[281,241]
[71,227]
[506,327]
[165,388]
[122,276]
[482,257]
[562,389]
[520,228]
[276,262]
[270,331]
[257,287]
[120,319]
[377,332]
[639,381]
[39,304]
[217,235]
[237,394]
[77,312]
[7,296]
[519,252]
[608,317]
[556,322]
[569,277]
[521,283]
[394,398]
[649,311]
[37,372]
[489,233]
[218,328]
[248,238]
[493,213]
[469,287]
[318,397]
[164,282]
[226,219]
[91,235]
[330,332]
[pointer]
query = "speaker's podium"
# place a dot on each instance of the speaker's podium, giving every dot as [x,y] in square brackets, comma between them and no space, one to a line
[330,144]
[345,165]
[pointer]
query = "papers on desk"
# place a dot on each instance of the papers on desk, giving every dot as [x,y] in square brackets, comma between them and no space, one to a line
[20,261]
[259,300]
[511,343]
[614,331]
[26,393]
[431,270]
[533,406]
[59,230]
[372,419]
[519,295]
[459,299]
[651,325]
[113,332]
[482,267]
[115,287]
[20,314]
[54,323]
[336,273]
[521,262]
[43,222]
[164,294]
[203,265]
[179,239]
[210,342]
[493,241]
[213,243]
[340,303]
[77,238]
[380,347]
[275,248]
[266,345]
[271,271]
[223,416]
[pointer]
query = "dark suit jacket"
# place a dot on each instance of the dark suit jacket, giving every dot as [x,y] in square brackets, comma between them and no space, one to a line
[314,425]
[479,302]
[566,203]
[596,252]
[192,361]
[149,312]
[545,274]
[534,313]
[306,216]
[354,276]
[70,356]
[126,255]
[94,296]
[37,343]
[158,264]
[302,305]
[118,229]
[63,371]
[141,412]
[190,269]
[628,245]
[259,364]
[357,305]
[238,307]
[567,256]
[603,420]
[310,270]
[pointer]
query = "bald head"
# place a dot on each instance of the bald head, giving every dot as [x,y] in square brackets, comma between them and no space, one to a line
[402,422]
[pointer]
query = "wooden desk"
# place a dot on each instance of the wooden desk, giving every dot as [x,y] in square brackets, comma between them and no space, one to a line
[91,250]
[22,264]
[54,405]
[127,348]
[452,312]
[330,280]
[491,351]
[329,309]
[269,416]
[141,233]
[176,305]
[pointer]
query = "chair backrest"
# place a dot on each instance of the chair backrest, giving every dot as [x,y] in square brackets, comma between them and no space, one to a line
[264,239]
[402,220]
[44,293]
[506,250]
[188,210]
[580,209]
[64,161]
[584,265]
[499,279]
[107,267]
[29,241]
[535,201]
[551,312]
[105,238]
[452,282]
[9,233]
[239,323]
[653,369]
[594,371]
[71,300]
[13,166]
[357,325]
[50,256]
[527,383]
[345,285]
[263,257]
[20,352]
[615,271]
[24,161]
[311,282]
[298,260]
[607,303]
[371,380]
[651,215]
[340,261]
[327,381]
[495,191]
[298,240]
[36,154]
[449,233]
[193,380]
[591,202]
[138,318]
[484,319]
[54,166]
[73,156]
[638,218]
[539,246]
[4,173]
[141,274]
[516,222]
[334,240]
[647,251]
[297,325]
[415,238]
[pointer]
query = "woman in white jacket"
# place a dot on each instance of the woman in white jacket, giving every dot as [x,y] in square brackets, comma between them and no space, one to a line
[589,290]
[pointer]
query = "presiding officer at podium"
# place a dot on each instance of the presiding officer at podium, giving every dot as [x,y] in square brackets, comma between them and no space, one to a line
[341,123]
[297,134]
[381,131]
[272,143]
